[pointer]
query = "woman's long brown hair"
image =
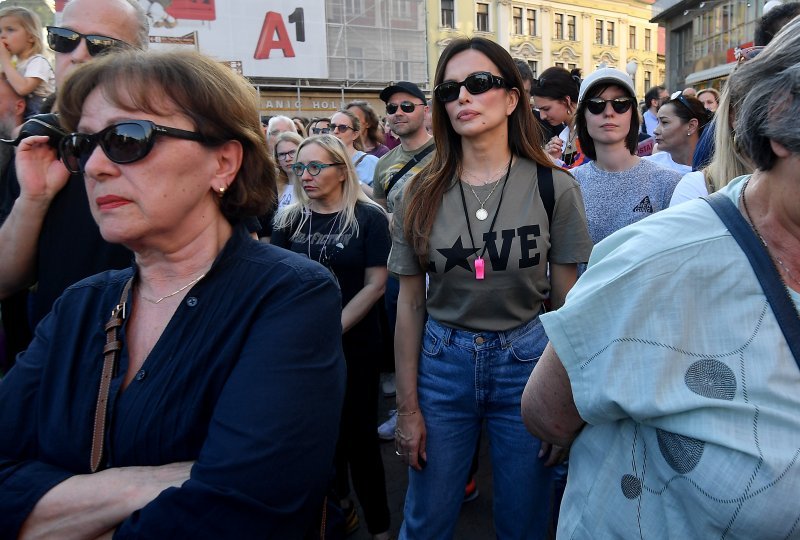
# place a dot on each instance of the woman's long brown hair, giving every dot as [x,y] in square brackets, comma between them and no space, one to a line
[426,189]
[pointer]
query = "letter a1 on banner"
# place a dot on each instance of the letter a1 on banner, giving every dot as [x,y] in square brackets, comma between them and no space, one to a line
[274,36]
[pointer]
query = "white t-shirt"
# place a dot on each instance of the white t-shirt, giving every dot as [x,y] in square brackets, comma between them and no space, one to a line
[663,159]
[366,167]
[691,186]
[38,67]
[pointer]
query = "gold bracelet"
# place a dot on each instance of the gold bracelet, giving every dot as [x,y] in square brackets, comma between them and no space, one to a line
[411,413]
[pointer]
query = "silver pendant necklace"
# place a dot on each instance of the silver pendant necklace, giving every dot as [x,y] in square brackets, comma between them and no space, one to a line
[481,213]
[195,280]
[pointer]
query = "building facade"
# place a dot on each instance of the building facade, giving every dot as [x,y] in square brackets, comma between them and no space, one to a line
[701,38]
[578,34]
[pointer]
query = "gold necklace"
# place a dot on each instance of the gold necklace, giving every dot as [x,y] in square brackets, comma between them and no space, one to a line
[195,280]
[753,225]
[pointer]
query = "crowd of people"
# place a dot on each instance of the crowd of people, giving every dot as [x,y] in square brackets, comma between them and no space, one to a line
[198,301]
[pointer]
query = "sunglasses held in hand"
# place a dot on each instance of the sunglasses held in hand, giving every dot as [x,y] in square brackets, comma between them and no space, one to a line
[123,142]
[477,83]
[40,124]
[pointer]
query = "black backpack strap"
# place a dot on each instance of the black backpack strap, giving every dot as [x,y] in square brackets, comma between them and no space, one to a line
[410,163]
[774,289]
[544,176]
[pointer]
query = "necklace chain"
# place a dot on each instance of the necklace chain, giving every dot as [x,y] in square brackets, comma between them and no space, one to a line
[753,225]
[481,212]
[492,176]
[195,280]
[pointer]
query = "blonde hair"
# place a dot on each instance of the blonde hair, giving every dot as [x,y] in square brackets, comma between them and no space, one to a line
[352,194]
[29,21]
[726,163]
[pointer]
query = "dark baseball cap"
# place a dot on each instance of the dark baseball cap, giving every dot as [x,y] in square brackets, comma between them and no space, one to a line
[402,86]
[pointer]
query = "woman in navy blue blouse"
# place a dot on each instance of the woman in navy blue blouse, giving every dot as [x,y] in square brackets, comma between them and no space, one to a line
[222,416]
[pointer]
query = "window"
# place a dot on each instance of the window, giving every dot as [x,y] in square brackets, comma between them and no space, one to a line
[355,63]
[531,22]
[482,20]
[559,20]
[647,39]
[571,35]
[534,65]
[354,7]
[598,32]
[648,80]
[401,9]
[560,64]
[572,66]
[402,67]
[631,37]
[517,19]
[448,15]
[610,31]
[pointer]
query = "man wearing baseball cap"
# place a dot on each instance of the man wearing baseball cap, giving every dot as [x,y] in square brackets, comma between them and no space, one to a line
[619,188]
[406,107]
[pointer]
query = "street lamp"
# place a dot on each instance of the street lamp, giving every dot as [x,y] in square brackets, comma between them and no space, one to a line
[630,69]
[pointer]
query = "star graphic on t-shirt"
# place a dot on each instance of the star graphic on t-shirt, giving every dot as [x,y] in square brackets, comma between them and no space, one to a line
[457,256]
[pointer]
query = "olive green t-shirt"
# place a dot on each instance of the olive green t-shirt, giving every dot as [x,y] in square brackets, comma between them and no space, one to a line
[391,163]
[516,253]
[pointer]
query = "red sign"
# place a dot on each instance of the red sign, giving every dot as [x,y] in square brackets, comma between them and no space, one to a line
[193,10]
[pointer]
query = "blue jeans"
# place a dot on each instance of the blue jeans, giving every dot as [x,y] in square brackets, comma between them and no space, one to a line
[465,378]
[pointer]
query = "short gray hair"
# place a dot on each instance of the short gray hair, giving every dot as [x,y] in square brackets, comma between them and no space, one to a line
[766,90]
[142,26]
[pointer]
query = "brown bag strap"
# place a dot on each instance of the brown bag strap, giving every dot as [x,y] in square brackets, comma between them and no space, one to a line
[110,358]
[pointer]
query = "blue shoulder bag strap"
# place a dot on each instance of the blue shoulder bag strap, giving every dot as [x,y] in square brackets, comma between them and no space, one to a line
[774,289]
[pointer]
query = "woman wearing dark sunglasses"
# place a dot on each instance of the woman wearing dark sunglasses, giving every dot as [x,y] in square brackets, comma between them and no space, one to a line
[476,222]
[346,126]
[619,188]
[161,400]
[333,222]
[681,122]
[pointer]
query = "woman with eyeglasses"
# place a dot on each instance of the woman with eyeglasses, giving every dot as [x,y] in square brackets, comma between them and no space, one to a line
[162,400]
[681,121]
[619,188]
[555,97]
[371,132]
[483,220]
[334,223]
[347,128]
[285,152]
[674,365]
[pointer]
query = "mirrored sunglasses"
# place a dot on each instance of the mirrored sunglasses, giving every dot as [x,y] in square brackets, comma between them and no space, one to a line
[320,131]
[64,40]
[477,83]
[123,142]
[620,105]
[405,106]
[680,98]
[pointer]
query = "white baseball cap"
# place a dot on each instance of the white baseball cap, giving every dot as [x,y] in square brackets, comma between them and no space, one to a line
[607,75]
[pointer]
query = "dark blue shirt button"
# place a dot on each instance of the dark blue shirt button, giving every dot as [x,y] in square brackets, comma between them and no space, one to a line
[141,375]
[191,301]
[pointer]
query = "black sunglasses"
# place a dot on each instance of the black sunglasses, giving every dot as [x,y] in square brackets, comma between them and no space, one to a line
[320,131]
[405,106]
[620,105]
[477,83]
[64,40]
[40,124]
[340,128]
[124,142]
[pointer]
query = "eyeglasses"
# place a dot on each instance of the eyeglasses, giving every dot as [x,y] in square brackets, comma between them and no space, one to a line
[679,97]
[283,156]
[64,40]
[320,131]
[340,128]
[620,105]
[123,142]
[313,168]
[405,106]
[477,83]
[40,124]
[748,53]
